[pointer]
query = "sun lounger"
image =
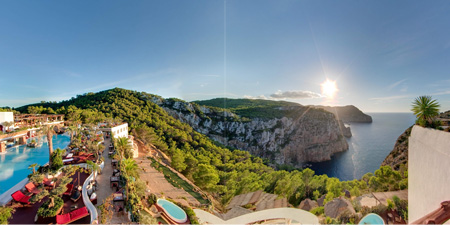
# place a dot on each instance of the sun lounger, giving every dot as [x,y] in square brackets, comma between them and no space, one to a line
[32,188]
[75,196]
[48,183]
[72,216]
[18,196]
[69,190]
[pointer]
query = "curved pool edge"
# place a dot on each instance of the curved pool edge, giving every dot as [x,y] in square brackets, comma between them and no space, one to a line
[373,215]
[185,219]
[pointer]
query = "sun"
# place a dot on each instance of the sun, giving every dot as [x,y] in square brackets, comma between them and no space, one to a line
[329,88]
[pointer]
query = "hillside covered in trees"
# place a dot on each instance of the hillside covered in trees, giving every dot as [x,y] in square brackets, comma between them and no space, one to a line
[222,172]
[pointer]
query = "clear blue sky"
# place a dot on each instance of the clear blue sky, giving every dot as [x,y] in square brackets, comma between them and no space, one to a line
[382,54]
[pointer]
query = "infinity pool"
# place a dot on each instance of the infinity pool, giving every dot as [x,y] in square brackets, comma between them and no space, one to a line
[173,211]
[14,163]
[372,218]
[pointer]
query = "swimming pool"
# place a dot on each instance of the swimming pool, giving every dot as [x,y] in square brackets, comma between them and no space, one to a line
[173,211]
[14,163]
[372,218]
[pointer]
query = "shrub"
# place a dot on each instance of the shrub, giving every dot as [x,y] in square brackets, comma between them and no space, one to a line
[57,161]
[46,211]
[348,217]
[5,214]
[390,204]
[317,211]
[152,199]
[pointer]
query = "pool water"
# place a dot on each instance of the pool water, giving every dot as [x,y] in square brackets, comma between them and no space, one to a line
[175,212]
[372,218]
[14,163]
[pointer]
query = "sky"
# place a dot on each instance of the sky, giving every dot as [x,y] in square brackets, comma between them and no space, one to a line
[380,54]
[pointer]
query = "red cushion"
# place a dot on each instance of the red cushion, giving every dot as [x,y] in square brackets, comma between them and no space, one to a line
[79,213]
[63,219]
[25,199]
[17,195]
[30,187]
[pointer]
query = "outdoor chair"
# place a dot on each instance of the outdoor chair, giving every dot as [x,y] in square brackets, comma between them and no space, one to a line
[76,195]
[72,216]
[32,188]
[69,190]
[20,197]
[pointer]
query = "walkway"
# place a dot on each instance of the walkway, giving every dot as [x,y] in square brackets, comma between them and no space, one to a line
[104,189]
[297,215]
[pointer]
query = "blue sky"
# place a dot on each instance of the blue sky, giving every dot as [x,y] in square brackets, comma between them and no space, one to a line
[382,54]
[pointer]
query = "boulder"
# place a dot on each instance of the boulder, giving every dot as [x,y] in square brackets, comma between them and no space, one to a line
[308,204]
[338,206]
[321,199]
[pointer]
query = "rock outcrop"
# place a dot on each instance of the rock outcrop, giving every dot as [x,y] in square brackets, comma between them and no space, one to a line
[308,204]
[337,207]
[305,134]
[348,114]
[398,155]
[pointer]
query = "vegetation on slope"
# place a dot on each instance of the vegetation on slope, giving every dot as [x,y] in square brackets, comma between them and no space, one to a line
[255,108]
[218,170]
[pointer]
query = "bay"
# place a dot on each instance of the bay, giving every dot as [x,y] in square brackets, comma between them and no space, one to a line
[368,147]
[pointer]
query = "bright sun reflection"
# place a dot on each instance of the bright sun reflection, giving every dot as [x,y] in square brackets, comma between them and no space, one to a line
[329,88]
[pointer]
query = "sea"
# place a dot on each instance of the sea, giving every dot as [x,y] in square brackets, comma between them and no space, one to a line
[368,147]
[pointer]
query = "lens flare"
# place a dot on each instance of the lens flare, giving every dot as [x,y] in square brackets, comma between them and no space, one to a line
[329,88]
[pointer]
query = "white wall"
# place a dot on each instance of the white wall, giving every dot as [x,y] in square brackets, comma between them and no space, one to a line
[428,171]
[6,117]
[120,131]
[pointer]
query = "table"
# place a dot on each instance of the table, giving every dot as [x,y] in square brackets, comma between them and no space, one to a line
[114,180]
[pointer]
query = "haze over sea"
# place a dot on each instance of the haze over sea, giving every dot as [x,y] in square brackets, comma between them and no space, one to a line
[368,147]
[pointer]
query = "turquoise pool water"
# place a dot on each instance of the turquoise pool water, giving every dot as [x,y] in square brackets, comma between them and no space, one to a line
[14,163]
[372,218]
[172,210]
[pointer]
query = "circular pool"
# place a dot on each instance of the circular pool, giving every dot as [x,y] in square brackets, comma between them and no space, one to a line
[372,218]
[173,211]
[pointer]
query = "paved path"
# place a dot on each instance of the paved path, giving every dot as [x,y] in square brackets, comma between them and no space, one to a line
[104,188]
[297,215]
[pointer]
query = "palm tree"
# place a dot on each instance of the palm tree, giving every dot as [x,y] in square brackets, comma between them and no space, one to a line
[94,166]
[48,130]
[425,108]
[72,130]
[34,165]
[123,147]
[129,169]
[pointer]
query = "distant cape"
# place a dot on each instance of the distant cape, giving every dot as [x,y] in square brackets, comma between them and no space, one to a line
[348,114]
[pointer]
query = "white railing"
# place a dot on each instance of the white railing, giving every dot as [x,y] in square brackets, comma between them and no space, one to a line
[87,202]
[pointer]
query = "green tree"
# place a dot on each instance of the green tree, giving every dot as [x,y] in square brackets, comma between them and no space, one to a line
[94,167]
[49,132]
[123,147]
[425,109]
[206,176]
[33,166]
[178,160]
[5,214]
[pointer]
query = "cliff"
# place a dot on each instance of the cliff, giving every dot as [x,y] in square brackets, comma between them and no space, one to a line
[348,114]
[287,133]
[399,155]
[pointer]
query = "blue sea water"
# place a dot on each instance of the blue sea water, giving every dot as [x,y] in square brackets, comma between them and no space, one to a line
[14,163]
[368,147]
